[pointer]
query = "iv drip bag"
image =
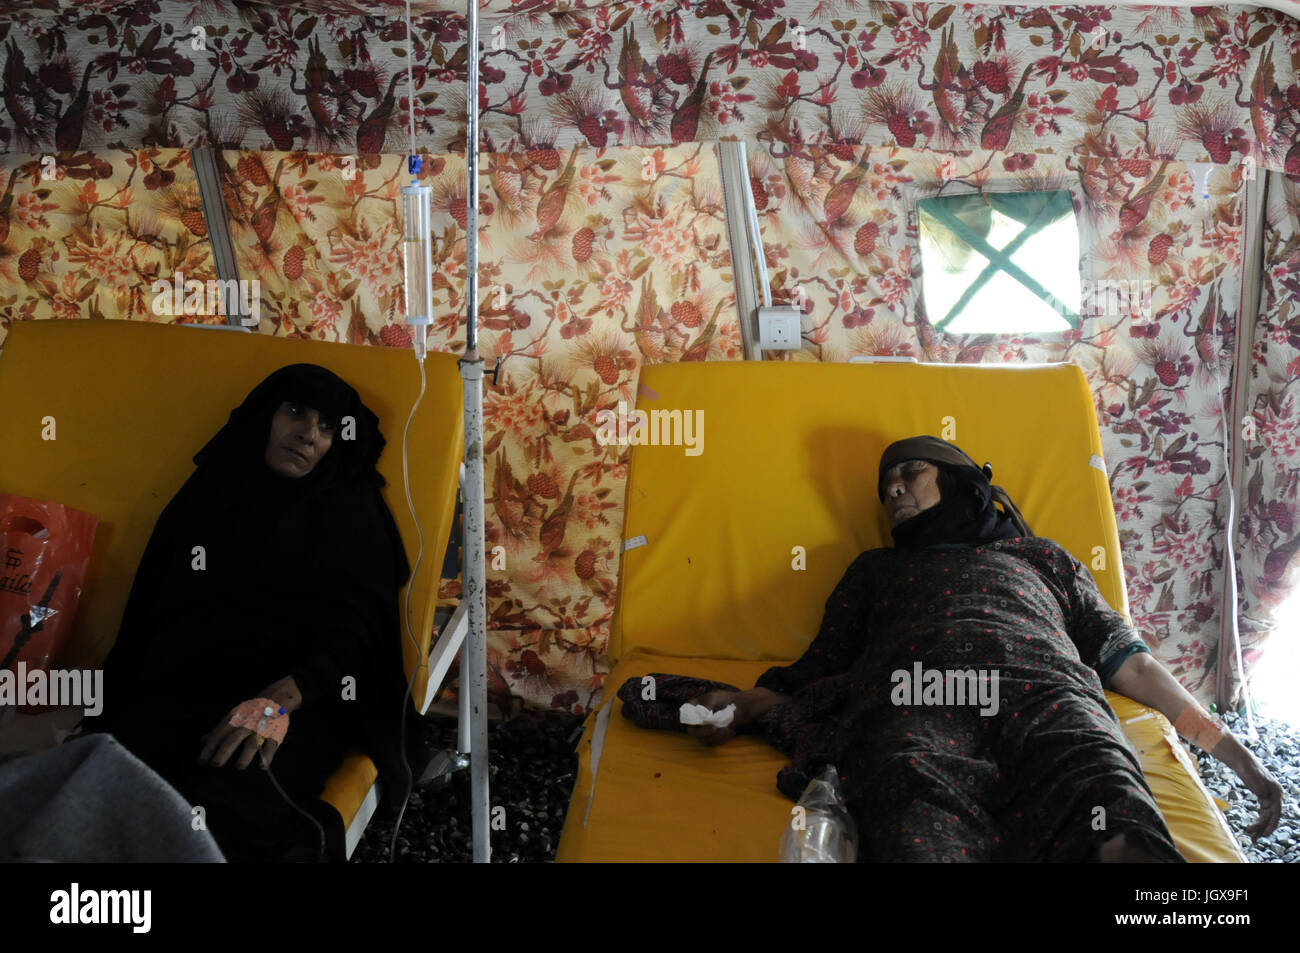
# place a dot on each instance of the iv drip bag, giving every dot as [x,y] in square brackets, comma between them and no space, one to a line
[418,260]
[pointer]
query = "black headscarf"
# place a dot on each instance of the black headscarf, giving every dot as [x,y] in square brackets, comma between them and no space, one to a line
[965,515]
[302,575]
[240,444]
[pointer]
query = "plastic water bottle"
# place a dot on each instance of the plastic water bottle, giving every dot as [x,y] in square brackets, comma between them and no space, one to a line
[821,829]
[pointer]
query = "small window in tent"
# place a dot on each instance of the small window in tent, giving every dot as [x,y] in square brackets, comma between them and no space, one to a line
[1000,262]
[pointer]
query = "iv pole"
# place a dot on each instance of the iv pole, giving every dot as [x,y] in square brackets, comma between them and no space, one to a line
[474,558]
[472,728]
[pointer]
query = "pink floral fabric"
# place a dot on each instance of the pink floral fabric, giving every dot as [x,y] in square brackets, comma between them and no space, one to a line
[602,243]
[88,236]
[1268,428]
[1190,84]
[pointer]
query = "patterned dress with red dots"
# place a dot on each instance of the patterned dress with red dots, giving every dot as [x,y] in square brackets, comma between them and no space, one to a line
[1045,773]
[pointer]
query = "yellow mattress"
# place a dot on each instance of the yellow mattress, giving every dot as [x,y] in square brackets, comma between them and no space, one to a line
[134,402]
[731,552]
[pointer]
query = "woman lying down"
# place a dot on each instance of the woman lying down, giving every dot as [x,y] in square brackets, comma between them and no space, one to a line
[1018,777]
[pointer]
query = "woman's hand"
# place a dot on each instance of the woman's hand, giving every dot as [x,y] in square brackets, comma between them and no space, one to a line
[285,691]
[226,739]
[750,706]
[1258,779]
[716,701]
[1265,787]
[1147,682]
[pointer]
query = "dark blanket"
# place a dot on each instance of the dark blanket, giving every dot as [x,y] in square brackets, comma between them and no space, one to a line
[1048,776]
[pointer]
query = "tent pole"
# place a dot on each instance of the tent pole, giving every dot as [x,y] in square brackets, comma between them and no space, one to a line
[471,372]
[473,590]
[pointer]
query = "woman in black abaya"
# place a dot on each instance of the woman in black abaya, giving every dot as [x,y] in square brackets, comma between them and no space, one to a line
[274,573]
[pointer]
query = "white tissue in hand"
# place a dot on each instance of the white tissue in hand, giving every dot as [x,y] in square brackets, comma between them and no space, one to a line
[699,715]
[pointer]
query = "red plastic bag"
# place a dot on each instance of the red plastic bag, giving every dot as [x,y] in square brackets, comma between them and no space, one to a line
[46,551]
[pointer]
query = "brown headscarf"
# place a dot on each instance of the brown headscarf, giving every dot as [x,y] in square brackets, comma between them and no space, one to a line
[966,516]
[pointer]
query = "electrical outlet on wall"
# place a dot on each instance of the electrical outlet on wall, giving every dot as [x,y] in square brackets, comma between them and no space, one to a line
[779,328]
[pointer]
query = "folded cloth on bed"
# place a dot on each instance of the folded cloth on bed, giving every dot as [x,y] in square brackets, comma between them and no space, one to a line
[693,715]
[655,700]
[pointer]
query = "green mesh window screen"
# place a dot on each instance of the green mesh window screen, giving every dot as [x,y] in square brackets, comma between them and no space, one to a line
[1000,263]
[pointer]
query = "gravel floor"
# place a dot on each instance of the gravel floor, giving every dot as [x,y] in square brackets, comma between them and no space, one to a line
[1278,749]
[533,766]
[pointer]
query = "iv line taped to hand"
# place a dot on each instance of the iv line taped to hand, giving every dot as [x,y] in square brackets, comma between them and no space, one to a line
[269,720]
[265,717]
[418,233]
[420,658]
[320,853]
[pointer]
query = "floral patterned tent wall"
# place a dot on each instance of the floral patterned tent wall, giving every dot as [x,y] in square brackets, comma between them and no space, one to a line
[1269,529]
[603,242]
[84,237]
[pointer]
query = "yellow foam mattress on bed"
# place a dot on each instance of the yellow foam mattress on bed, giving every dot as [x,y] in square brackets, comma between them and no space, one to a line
[731,550]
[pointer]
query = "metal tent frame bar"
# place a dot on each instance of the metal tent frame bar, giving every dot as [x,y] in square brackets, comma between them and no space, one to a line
[216,218]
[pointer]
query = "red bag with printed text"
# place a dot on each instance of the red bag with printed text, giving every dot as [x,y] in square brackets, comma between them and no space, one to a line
[45,548]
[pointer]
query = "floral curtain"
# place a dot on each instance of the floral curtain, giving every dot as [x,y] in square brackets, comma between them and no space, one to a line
[324,241]
[1191,84]
[602,241]
[88,236]
[1268,532]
